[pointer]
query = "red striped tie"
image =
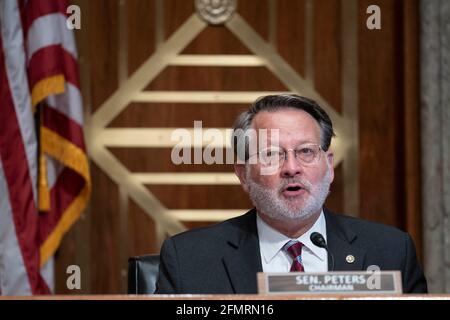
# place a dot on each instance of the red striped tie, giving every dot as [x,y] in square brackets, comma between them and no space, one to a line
[294,248]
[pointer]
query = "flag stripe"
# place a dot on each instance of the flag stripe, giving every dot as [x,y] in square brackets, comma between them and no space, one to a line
[75,158]
[68,185]
[14,278]
[22,12]
[54,168]
[14,62]
[68,218]
[42,34]
[40,58]
[50,61]
[63,126]
[37,8]
[18,180]
[47,273]
[70,103]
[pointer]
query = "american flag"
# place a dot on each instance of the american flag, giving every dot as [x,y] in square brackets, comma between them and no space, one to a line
[44,171]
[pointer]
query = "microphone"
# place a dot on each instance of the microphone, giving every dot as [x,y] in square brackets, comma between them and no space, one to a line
[318,240]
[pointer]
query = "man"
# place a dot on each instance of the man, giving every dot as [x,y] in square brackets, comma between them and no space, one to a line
[287,178]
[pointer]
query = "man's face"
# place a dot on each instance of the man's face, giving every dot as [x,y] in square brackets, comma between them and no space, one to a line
[295,190]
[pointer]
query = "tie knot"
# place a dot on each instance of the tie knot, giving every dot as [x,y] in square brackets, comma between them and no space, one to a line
[294,248]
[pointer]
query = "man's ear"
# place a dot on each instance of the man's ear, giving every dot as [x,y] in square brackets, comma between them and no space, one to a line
[330,163]
[240,171]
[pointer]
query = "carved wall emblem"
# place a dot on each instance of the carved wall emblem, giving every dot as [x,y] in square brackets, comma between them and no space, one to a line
[215,11]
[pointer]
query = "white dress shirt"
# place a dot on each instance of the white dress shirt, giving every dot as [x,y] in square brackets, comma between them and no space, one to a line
[274,259]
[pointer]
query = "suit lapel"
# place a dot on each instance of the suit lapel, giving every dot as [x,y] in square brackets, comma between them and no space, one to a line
[347,256]
[242,260]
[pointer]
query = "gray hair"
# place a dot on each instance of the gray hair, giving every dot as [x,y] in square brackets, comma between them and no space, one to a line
[273,103]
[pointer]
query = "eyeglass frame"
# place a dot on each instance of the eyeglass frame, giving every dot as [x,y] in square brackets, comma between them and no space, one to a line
[282,159]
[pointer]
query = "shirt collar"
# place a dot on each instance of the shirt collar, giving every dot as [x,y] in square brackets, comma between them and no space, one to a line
[271,241]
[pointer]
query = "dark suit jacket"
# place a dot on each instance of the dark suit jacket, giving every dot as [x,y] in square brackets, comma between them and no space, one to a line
[225,258]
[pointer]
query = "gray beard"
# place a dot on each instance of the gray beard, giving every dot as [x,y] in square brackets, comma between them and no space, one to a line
[272,204]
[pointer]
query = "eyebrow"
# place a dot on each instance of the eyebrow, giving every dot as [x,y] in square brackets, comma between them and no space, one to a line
[304,142]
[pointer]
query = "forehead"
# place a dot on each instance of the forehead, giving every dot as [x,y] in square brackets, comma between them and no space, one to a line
[292,124]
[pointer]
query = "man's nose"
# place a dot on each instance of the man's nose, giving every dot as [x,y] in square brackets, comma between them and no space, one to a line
[291,166]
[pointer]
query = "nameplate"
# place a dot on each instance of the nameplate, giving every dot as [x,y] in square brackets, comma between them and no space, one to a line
[345,282]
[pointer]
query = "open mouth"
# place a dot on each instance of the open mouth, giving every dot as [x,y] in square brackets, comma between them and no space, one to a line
[293,189]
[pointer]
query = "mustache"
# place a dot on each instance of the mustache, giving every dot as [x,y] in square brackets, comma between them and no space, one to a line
[305,184]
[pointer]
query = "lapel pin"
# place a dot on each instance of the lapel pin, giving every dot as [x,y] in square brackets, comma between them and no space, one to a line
[350,258]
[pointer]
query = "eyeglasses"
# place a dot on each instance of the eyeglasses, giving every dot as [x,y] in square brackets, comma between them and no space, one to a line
[305,154]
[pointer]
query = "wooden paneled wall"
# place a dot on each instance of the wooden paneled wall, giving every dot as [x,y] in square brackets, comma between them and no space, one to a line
[115,227]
